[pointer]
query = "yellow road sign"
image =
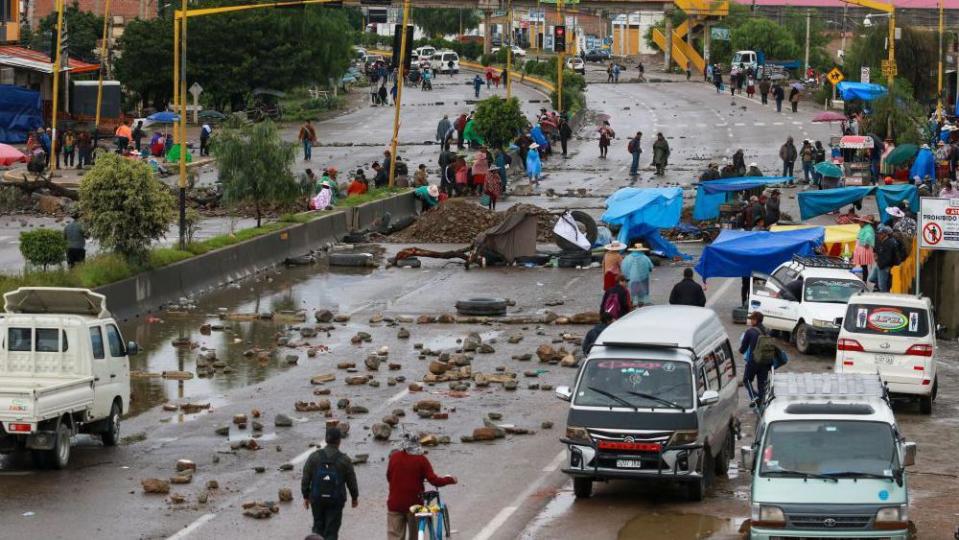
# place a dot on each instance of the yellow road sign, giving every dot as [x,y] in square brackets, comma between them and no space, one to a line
[835,76]
[889,68]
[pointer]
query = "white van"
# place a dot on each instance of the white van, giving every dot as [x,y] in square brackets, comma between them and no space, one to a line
[64,370]
[441,61]
[655,401]
[425,51]
[895,335]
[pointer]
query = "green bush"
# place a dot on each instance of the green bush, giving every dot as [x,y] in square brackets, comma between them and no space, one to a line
[103,269]
[43,247]
[161,257]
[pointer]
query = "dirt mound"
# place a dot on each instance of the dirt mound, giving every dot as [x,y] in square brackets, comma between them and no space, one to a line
[458,221]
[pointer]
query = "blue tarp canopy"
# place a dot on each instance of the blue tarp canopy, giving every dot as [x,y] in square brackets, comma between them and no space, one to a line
[641,212]
[924,165]
[712,193]
[816,203]
[20,113]
[737,253]
[857,90]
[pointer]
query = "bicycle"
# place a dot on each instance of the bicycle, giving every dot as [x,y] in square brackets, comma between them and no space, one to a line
[432,517]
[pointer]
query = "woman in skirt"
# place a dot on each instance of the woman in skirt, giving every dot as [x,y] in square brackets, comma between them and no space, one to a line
[863,256]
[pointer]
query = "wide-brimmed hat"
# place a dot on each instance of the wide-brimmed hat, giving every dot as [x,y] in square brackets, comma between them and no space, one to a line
[638,246]
[895,212]
[615,245]
[753,164]
[534,145]
[433,191]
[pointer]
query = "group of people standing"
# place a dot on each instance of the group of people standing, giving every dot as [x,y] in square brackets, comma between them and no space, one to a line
[74,146]
[744,78]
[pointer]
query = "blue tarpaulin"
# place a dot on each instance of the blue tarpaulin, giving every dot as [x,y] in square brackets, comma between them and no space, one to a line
[655,242]
[641,212]
[864,91]
[816,203]
[712,193]
[924,165]
[19,113]
[737,253]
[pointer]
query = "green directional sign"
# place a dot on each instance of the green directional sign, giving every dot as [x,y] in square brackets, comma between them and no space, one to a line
[719,34]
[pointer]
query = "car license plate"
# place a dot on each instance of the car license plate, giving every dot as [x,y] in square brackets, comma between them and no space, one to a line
[629,464]
[885,359]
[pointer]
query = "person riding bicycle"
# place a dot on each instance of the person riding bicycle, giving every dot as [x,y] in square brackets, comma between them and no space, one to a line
[407,470]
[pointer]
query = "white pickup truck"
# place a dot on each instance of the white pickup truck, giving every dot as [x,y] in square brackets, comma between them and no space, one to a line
[63,370]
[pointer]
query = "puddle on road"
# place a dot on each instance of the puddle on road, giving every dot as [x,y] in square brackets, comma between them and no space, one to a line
[678,526]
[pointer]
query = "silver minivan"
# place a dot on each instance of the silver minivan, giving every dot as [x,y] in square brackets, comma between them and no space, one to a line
[655,401]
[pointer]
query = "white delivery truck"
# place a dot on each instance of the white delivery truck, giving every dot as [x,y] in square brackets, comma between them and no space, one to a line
[64,370]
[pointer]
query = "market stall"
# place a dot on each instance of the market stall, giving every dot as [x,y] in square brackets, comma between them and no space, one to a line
[740,253]
[817,203]
[716,198]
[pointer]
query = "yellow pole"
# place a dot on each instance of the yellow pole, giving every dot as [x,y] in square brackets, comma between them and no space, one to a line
[399,91]
[56,88]
[103,62]
[182,141]
[939,87]
[176,68]
[892,49]
[509,55]
[559,60]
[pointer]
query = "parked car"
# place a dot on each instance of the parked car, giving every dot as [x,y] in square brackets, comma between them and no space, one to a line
[517,51]
[828,460]
[893,335]
[805,298]
[423,53]
[596,55]
[654,401]
[440,62]
[576,64]
[64,370]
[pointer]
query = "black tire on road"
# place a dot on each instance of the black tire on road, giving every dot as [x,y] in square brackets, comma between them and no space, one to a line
[696,491]
[801,337]
[59,457]
[586,224]
[482,306]
[582,487]
[409,262]
[351,259]
[573,260]
[538,260]
[355,238]
[111,436]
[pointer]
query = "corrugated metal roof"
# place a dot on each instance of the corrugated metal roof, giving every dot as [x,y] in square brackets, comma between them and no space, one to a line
[21,57]
[900,4]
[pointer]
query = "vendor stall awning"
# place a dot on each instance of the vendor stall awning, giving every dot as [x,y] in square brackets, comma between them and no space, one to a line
[740,253]
[837,236]
[816,203]
[21,57]
[711,194]
[857,90]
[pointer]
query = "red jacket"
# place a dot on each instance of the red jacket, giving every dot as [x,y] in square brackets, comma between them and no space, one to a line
[406,474]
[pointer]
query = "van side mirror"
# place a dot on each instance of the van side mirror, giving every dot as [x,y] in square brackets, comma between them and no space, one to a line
[709,397]
[747,457]
[908,454]
[564,393]
[132,348]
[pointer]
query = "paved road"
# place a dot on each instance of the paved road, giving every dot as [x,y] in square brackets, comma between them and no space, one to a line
[509,488]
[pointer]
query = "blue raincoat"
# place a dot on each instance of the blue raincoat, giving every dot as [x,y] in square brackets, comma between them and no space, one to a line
[534,167]
[537,134]
[923,166]
[637,267]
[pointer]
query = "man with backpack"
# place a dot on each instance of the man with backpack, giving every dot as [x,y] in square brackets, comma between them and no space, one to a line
[635,150]
[616,301]
[889,253]
[759,352]
[327,475]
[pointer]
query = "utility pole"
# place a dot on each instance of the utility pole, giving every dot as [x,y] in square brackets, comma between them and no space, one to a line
[559,58]
[806,55]
[939,87]
[399,89]
[104,61]
[509,55]
[57,62]
[182,142]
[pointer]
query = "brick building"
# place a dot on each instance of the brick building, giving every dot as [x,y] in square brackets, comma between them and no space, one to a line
[34,10]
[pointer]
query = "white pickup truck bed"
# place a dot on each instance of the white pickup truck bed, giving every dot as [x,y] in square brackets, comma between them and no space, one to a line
[34,399]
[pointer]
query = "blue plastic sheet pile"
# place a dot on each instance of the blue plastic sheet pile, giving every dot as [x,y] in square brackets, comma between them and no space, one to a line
[641,212]
[737,253]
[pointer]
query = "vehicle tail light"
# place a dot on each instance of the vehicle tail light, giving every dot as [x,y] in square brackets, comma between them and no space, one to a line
[918,368]
[925,382]
[850,345]
[847,362]
[920,350]
[19,428]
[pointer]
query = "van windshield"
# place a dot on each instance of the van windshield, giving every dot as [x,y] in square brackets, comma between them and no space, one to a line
[832,448]
[636,383]
[886,320]
[831,291]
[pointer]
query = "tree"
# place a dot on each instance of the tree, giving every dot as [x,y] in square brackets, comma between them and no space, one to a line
[83,29]
[438,22]
[499,120]
[916,57]
[124,206]
[900,111]
[767,36]
[43,247]
[147,43]
[255,164]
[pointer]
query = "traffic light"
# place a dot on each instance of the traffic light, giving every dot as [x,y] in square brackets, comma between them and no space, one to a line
[397,40]
[559,38]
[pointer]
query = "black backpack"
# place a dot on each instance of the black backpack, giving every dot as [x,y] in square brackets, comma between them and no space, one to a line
[327,485]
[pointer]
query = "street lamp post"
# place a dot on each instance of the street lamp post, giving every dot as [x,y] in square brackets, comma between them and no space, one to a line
[399,91]
[103,63]
[57,63]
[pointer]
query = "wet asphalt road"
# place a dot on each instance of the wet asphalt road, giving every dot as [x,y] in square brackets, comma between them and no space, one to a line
[508,488]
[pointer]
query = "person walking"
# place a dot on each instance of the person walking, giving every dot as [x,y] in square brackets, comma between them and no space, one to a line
[616,72]
[772,208]
[808,154]
[635,149]
[327,475]
[408,468]
[565,132]
[84,149]
[718,79]
[779,95]
[660,154]
[689,70]
[864,255]
[307,137]
[205,133]
[477,84]
[637,268]
[69,148]
[612,262]
[764,87]
[606,135]
[754,370]
[887,256]
[534,167]
[616,301]
[444,132]
[687,292]
[76,237]
[605,319]
[788,153]
[492,187]
[460,126]
[481,162]
[794,98]
[609,73]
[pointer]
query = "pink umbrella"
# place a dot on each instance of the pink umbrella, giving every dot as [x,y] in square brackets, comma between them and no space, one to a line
[829,116]
[10,155]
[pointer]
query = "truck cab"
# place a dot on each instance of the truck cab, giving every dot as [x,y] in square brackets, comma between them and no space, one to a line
[64,369]
[743,60]
[805,298]
[828,460]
